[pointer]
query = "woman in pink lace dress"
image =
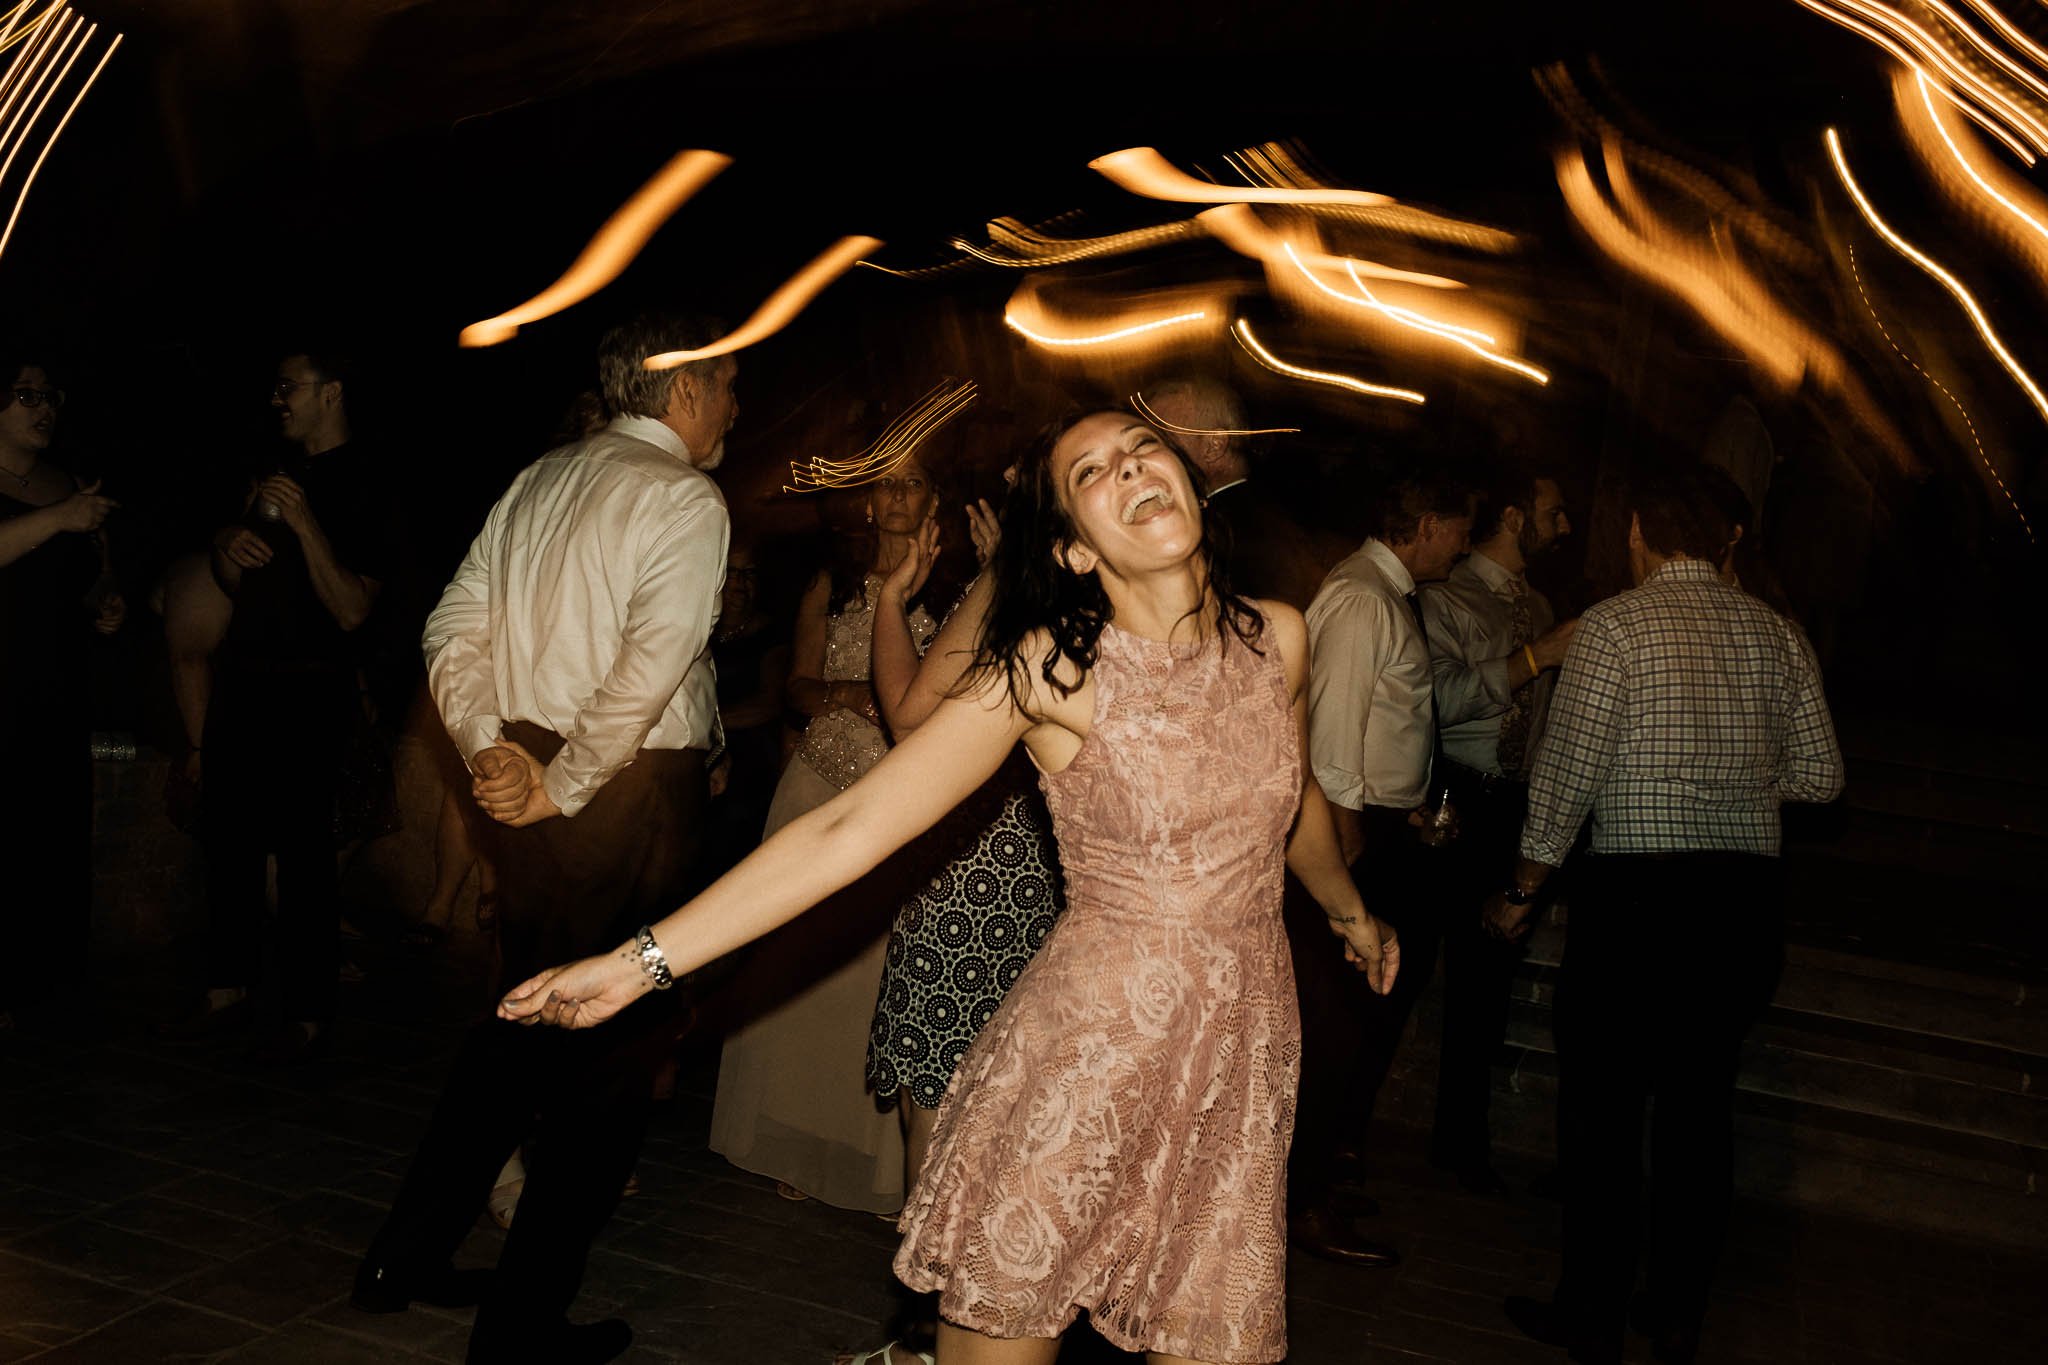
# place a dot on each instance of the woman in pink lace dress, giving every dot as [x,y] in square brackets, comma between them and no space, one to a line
[1116,1140]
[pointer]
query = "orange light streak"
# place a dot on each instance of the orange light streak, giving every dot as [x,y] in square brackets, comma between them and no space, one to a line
[1144,410]
[2011,198]
[1274,165]
[1969,425]
[617,242]
[2013,33]
[1933,53]
[44,55]
[1242,330]
[1103,338]
[28,182]
[780,307]
[1143,171]
[898,441]
[1240,228]
[1928,264]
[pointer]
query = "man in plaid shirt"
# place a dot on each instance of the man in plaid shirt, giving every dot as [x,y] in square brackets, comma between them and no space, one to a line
[1686,713]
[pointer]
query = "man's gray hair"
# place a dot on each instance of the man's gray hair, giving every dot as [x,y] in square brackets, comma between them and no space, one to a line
[632,390]
[1218,403]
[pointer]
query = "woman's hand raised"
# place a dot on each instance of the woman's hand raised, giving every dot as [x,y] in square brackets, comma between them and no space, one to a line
[984,530]
[907,579]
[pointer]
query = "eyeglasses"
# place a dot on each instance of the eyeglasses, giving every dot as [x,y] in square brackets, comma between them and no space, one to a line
[35,398]
[285,388]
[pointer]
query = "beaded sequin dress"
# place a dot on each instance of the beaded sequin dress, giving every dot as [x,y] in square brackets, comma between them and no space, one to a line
[792,1100]
[1116,1139]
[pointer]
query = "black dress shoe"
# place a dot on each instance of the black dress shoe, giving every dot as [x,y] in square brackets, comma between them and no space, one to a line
[1320,1232]
[1541,1321]
[383,1289]
[590,1343]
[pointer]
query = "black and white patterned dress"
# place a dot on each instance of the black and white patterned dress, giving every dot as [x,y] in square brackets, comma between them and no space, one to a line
[961,942]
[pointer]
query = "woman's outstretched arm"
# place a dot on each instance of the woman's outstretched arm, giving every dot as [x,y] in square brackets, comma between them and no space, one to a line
[807,860]
[1313,854]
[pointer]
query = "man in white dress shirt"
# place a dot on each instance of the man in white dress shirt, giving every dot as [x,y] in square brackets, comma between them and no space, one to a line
[1494,647]
[571,661]
[1371,737]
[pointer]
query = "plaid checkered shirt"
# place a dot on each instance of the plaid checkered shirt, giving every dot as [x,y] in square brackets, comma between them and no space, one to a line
[1685,714]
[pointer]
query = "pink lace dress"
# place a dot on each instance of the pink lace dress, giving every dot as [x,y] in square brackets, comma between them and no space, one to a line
[1116,1139]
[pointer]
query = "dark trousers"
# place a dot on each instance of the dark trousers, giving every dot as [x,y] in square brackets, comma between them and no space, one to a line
[569,887]
[1668,962]
[273,751]
[1479,970]
[1348,1034]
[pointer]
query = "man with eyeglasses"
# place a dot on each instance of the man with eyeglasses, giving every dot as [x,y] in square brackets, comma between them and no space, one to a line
[304,565]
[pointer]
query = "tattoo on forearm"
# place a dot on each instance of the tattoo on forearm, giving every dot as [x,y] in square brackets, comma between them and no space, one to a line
[1340,919]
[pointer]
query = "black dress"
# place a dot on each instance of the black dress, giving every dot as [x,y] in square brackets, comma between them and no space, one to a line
[46,801]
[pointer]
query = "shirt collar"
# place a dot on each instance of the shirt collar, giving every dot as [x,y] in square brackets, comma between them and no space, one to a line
[655,433]
[1697,569]
[1395,571]
[1490,572]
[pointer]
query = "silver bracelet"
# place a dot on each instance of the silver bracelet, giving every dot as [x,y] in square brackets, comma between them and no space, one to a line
[653,961]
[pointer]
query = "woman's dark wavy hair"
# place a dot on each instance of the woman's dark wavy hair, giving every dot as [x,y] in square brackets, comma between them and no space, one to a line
[1034,591]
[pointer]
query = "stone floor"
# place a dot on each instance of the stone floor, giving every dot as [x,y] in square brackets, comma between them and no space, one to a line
[173,1202]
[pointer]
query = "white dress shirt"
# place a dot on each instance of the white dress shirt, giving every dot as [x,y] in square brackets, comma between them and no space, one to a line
[1369,727]
[585,606]
[1470,618]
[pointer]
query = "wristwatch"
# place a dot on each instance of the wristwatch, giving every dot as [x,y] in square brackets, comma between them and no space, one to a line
[1515,895]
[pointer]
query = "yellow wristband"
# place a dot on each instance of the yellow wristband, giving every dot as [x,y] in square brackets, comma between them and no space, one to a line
[1530,655]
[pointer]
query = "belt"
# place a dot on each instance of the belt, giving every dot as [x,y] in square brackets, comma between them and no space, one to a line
[1490,784]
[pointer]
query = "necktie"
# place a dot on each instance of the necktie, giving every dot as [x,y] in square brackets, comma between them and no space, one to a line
[1513,748]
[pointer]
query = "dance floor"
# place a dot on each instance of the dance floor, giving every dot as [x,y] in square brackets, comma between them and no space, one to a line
[164,1201]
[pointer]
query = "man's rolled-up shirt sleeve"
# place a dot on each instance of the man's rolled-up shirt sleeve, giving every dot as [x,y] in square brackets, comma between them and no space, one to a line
[457,645]
[1466,688]
[1350,642]
[668,628]
[1587,714]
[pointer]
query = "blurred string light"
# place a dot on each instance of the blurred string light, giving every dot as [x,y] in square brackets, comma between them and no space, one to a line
[1706,274]
[611,250]
[1471,339]
[2023,211]
[1757,226]
[1278,165]
[1969,425]
[1143,171]
[2011,107]
[49,44]
[1239,227]
[1144,410]
[1242,330]
[897,443]
[1932,267]
[1026,248]
[780,307]
[1160,316]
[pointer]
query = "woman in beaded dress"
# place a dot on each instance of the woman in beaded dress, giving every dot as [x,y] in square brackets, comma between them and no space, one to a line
[792,1100]
[1115,1141]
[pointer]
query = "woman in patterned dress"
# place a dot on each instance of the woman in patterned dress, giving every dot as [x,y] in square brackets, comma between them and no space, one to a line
[964,937]
[1115,1141]
[792,1101]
